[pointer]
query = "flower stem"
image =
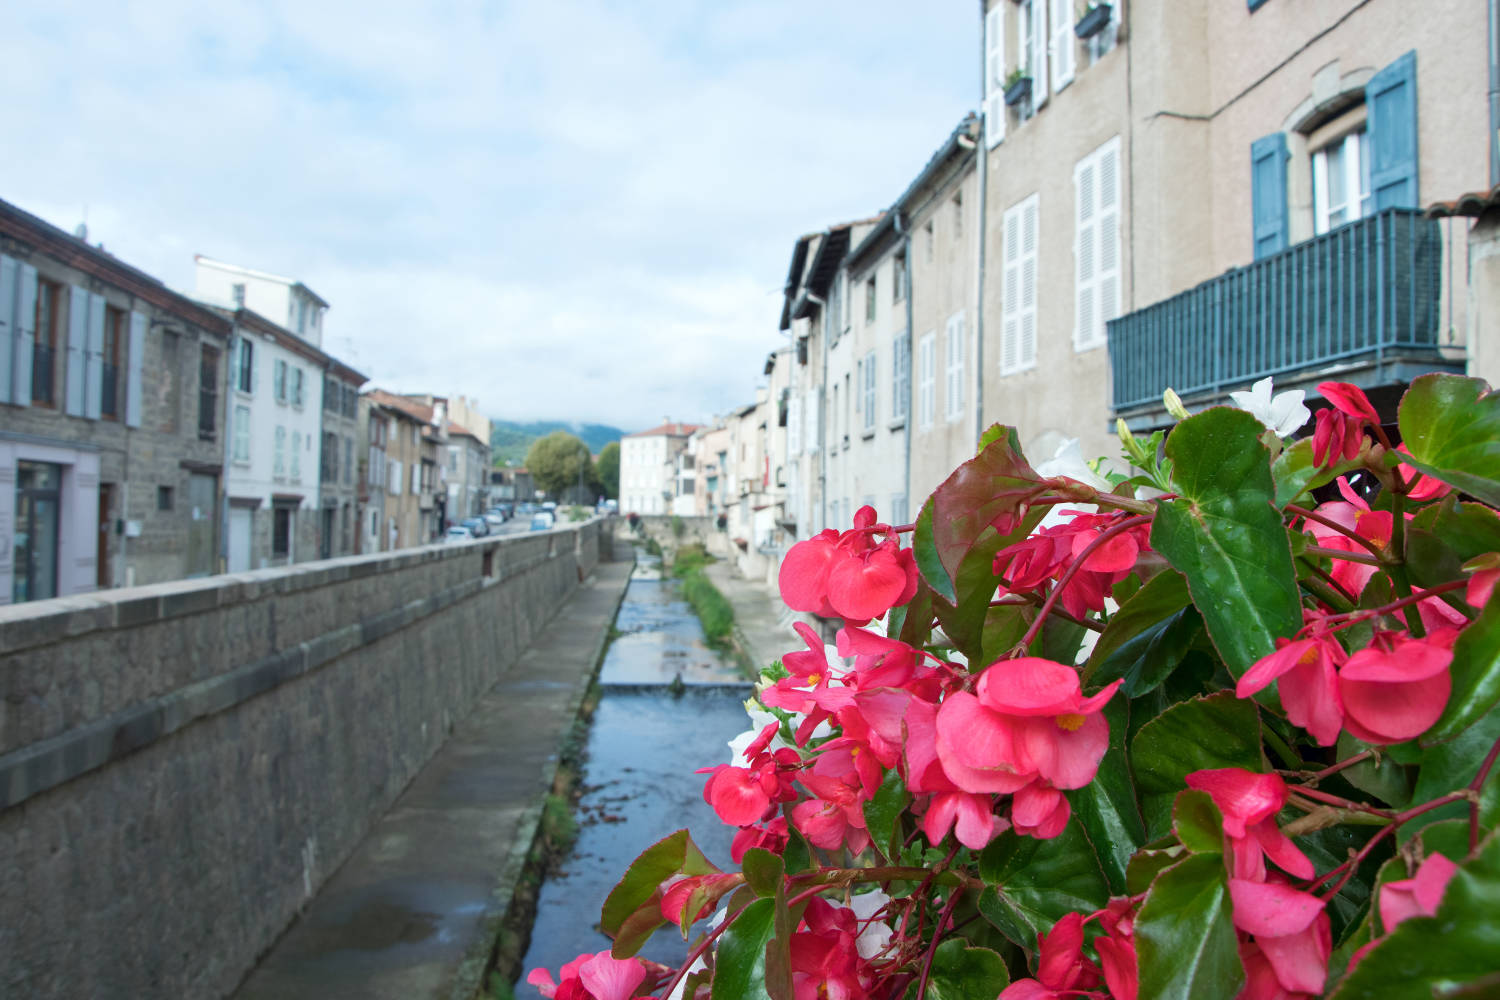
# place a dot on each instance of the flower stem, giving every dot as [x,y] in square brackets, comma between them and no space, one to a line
[1328,522]
[1067,577]
[1474,788]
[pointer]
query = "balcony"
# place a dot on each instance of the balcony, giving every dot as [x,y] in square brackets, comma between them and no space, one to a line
[1358,304]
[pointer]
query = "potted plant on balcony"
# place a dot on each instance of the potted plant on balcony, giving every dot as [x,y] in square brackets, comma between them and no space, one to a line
[1093,20]
[1017,86]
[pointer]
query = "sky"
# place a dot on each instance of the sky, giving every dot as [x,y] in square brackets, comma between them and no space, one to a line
[566,209]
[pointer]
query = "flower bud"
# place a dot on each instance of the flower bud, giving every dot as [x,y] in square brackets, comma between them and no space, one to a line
[1174,406]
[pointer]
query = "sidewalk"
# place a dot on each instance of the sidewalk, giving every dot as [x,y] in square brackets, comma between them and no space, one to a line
[414,912]
[763,625]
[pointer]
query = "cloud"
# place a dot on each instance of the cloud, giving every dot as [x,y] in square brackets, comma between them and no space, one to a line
[575,209]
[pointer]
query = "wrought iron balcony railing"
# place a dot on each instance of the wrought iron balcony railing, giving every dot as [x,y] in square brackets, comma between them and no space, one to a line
[1350,296]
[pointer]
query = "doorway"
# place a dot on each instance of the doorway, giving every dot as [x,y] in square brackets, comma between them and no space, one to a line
[38,492]
[240,524]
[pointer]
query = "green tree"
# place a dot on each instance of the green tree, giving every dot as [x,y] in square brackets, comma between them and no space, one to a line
[608,470]
[556,462]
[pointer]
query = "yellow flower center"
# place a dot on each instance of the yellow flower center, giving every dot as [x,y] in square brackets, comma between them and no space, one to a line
[1069,721]
[814,678]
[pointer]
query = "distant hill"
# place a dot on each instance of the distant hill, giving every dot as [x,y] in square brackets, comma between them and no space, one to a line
[510,440]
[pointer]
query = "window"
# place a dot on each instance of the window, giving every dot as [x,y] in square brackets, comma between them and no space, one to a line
[242,433]
[278,465]
[1031,53]
[1096,247]
[208,392]
[994,74]
[114,336]
[898,277]
[282,521]
[348,461]
[244,367]
[1060,42]
[44,347]
[870,299]
[868,393]
[296,378]
[1341,182]
[900,377]
[1018,324]
[1103,41]
[164,498]
[278,383]
[329,464]
[237,292]
[296,456]
[926,377]
[956,351]
[171,369]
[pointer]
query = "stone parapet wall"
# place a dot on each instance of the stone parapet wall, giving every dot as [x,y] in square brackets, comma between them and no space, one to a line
[182,765]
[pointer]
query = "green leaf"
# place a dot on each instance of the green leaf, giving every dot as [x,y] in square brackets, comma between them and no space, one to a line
[916,622]
[963,973]
[1469,529]
[1198,822]
[1213,731]
[1033,883]
[986,491]
[883,813]
[1184,934]
[1148,863]
[1004,627]
[672,855]
[1476,677]
[1224,534]
[964,622]
[1106,807]
[1295,473]
[763,871]
[1158,600]
[1332,846]
[1450,766]
[924,550]
[1451,426]
[797,857]
[1387,780]
[1439,955]
[740,963]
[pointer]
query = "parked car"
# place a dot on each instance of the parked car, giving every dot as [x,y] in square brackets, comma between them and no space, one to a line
[498,511]
[494,521]
[458,533]
[541,522]
[477,526]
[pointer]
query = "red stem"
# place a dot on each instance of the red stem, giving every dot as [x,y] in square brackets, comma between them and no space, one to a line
[1352,865]
[1355,617]
[1474,787]
[1326,522]
[937,935]
[1067,577]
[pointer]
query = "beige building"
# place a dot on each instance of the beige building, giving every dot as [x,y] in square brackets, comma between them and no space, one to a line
[1197,196]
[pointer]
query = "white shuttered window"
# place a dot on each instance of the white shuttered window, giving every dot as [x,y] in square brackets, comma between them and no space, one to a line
[926,377]
[1018,328]
[1034,45]
[955,395]
[1061,43]
[794,425]
[1096,248]
[901,376]
[994,74]
[868,405]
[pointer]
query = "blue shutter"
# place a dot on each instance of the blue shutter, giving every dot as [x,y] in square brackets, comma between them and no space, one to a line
[78,333]
[1268,158]
[134,362]
[1391,97]
[234,363]
[8,271]
[26,293]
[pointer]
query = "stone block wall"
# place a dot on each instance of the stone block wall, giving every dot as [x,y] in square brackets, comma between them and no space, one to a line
[182,765]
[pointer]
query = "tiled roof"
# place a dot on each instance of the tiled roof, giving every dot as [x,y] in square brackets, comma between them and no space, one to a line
[410,407]
[1474,203]
[666,430]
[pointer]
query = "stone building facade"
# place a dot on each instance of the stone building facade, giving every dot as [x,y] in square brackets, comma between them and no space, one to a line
[111,420]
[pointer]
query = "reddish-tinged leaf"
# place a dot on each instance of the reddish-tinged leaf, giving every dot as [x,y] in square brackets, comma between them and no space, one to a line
[989,489]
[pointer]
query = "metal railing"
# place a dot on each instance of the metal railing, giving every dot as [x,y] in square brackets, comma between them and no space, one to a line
[1347,296]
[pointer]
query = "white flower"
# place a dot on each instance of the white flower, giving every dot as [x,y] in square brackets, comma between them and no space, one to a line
[875,935]
[1068,461]
[1283,414]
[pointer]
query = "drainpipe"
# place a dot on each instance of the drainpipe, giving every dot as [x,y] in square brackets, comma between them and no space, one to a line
[822,424]
[1494,19]
[984,184]
[905,233]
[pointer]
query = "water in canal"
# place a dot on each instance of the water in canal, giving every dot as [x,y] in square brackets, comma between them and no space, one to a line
[639,786]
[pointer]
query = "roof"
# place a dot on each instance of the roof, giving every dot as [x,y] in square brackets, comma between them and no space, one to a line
[408,407]
[950,150]
[1474,203]
[454,429]
[252,320]
[666,430]
[74,252]
[199,258]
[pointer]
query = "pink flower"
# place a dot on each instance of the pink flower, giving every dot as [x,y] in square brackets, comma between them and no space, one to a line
[592,977]
[1425,487]
[1307,682]
[1249,803]
[772,836]
[826,960]
[1040,811]
[1289,926]
[969,815]
[1417,896]
[1350,400]
[1390,696]
[1062,968]
[1116,948]
[847,575]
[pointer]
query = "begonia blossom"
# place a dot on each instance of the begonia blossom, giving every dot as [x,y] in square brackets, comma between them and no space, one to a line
[1290,927]
[1305,675]
[1418,896]
[1249,803]
[1393,695]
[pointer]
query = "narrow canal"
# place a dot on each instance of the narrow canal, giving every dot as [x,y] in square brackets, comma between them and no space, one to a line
[639,785]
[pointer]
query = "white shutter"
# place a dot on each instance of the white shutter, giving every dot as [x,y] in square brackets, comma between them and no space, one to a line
[994,74]
[794,425]
[1062,44]
[1040,42]
[78,335]
[1107,302]
[1010,330]
[955,352]
[26,295]
[928,381]
[133,362]
[93,396]
[9,268]
[1085,238]
[1030,232]
[234,363]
